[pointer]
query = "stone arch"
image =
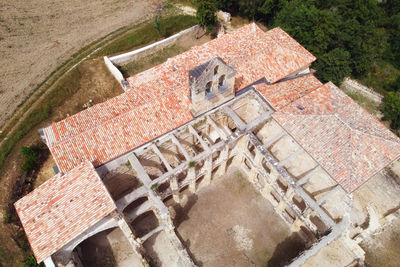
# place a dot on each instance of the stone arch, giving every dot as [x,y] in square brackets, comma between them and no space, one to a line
[221,80]
[209,87]
[216,70]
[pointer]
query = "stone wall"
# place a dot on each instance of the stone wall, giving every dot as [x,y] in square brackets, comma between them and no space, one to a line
[135,54]
[353,86]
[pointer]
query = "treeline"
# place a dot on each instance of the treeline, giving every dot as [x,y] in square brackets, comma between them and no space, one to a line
[347,36]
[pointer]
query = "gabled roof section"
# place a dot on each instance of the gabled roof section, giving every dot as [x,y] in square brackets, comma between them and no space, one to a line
[284,92]
[348,142]
[62,208]
[108,130]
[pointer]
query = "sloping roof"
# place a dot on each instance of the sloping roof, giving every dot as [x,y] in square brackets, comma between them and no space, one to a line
[62,208]
[349,143]
[112,128]
[284,92]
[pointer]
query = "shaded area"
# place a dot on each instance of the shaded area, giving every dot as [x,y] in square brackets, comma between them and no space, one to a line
[287,250]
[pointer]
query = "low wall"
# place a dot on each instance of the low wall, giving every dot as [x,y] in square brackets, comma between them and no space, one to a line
[127,57]
[353,86]
[116,73]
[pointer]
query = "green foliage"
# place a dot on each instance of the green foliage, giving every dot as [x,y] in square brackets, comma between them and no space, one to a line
[206,14]
[154,186]
[30,261]
[30,158]
[7,217]
[391,109]
[192,164]
[147,34]
[335,64]
[70,83]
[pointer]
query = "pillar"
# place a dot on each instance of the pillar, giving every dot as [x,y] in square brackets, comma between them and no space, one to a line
[224,158]
[191,177]
[173,184]
[208,169]
[241,146]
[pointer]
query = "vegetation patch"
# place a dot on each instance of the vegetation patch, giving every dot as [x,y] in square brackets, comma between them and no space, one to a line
[369,105]
[147,62]
[69,84]
[148,34]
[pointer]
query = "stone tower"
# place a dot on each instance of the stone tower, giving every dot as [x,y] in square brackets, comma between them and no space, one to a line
[211,84]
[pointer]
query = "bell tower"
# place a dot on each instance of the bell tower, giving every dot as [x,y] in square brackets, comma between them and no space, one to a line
[211,84]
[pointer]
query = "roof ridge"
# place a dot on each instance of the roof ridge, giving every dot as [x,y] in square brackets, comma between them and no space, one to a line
[302,49]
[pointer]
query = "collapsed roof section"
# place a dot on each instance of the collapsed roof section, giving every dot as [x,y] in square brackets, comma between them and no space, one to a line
[62,208]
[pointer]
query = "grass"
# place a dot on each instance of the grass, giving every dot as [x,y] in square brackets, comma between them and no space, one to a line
[381,76]
[369,105]
[66,87]
[148,34]
[70,83]
[147,62]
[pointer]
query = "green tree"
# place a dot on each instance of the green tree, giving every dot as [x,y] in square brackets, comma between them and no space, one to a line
[206,14]
[333,66]
[391,109]
[30,261]
[30,155]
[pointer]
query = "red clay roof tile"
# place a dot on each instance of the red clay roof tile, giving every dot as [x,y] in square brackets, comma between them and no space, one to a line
[62,208]
[348,142]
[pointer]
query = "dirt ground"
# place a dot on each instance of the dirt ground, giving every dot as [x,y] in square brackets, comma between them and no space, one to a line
[108,248]
[383,249]
[36,36]
[160,251]
[230,224]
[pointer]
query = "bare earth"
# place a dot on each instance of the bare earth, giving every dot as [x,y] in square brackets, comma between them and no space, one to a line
[230,224]
[38,35]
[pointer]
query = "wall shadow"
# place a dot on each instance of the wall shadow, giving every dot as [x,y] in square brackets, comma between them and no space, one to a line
[287,250]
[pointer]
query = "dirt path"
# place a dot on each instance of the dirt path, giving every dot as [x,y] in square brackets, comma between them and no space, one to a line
[36,36]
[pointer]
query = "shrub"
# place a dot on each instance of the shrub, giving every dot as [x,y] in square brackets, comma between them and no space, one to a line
[206,14]
[391,109]
[30,261]
[192,164]
[30,155]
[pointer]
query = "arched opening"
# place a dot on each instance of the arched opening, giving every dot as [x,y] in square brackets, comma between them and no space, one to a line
[107,248]
[221,80]
[216,70]
[209,92]
[144,223]
[221,84]
[208,87]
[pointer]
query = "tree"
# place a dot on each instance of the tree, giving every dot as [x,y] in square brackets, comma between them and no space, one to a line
[391,109]
[30,155]
[206,14]
[30,261]
[333,66]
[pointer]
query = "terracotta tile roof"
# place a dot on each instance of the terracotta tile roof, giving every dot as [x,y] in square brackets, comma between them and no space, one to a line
[112,128]
[123,133]
[349,143]
[284,92]
[62,208]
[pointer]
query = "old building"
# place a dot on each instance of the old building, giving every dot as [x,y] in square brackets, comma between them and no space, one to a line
[245,100]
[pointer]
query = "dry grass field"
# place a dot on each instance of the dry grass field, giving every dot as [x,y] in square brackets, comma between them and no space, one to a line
[37,36]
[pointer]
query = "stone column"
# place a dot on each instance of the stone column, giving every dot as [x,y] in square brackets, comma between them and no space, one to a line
[257,162]
[208,168]
[224,158]
[173,184]
[241,146]
[137,247]
[191,176]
